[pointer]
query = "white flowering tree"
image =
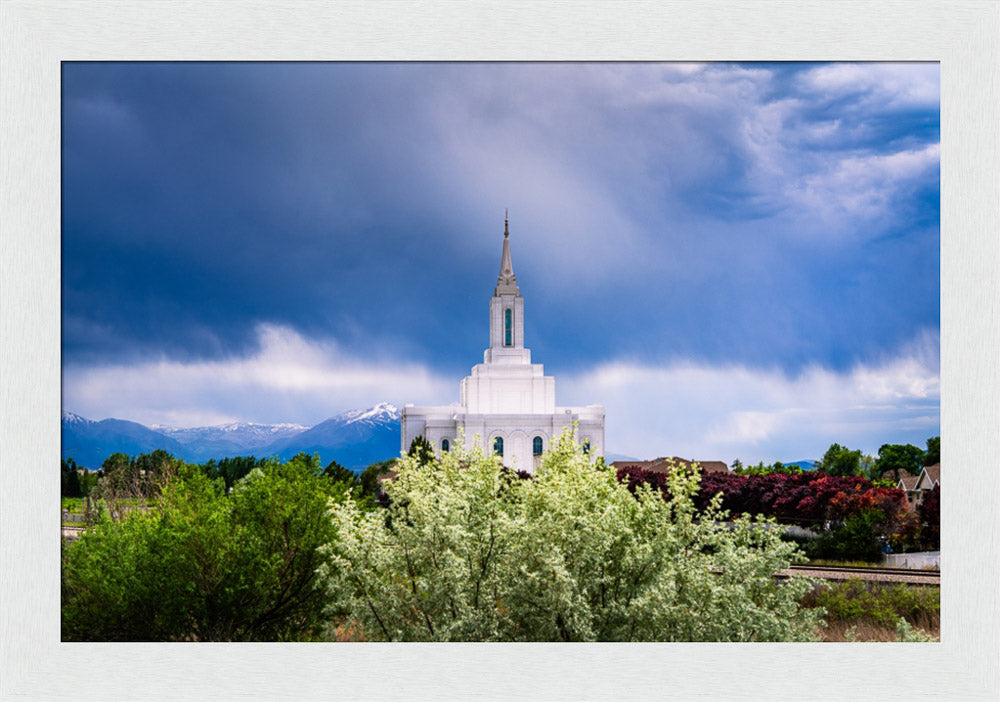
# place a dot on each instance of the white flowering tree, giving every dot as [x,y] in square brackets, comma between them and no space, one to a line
[467,551]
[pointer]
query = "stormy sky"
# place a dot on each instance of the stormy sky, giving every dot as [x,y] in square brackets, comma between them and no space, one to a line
[736,260]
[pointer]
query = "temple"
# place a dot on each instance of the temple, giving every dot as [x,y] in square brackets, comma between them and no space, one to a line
[507,403]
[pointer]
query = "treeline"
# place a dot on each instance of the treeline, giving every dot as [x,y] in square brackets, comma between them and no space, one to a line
[889,465]
[144,475]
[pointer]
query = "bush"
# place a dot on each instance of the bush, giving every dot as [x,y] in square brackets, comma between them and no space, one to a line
[466,551]
[854,601]
[860,538]
[204,566]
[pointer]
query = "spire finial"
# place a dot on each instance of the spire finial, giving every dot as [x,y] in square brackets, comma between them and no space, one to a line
[505,232]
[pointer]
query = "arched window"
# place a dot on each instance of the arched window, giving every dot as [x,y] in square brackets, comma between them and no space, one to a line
[445,446]
[498,446]
[586,446]
[508,327]
[536,446]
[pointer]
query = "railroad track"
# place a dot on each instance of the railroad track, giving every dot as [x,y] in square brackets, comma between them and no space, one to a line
[893,575]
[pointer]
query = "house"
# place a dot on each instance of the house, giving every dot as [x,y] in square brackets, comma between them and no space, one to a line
[916,486]
[908,484]
[929,477]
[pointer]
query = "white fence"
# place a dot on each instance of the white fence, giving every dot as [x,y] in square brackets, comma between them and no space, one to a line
[926,560]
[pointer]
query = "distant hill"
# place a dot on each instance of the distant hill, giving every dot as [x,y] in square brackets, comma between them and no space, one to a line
[610,458]
[354,439]
[88,442]
[804,465]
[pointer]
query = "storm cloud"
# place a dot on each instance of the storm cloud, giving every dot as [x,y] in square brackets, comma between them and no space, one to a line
[778,218]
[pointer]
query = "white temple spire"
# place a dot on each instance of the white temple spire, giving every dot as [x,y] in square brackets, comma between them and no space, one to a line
[506,281]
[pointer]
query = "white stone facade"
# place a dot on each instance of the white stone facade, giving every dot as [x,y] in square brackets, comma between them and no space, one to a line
[507,397]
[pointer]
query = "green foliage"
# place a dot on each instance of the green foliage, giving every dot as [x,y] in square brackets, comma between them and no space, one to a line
[866,468]
[762,469]
[421,450]
[855,601]
[232,469]
[933,454]
[338,473]
[841,461]
[860,537]
[204,566]
[88,481]
[369,476]
[73,505]
[910,634]
[893,458]
[69,479]
[466,551]
[125,480]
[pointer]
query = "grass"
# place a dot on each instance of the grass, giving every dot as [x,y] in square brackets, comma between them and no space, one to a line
[859,611]
[73,505]
[845,564]
[76,505]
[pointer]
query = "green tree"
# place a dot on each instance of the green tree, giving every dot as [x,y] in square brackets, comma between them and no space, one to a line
[369,476]
[421,449]
[126,483]
[337,473]
[70,479]
[466,551]
[762,469]
[893,458]
[933,454]
[204,566]
[866,467]
[841,461]
[231,469]
[859,538]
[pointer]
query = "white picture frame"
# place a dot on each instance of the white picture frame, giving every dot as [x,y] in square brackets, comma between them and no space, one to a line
[36,36]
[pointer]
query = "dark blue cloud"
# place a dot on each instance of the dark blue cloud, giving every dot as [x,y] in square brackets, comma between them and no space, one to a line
[656,214]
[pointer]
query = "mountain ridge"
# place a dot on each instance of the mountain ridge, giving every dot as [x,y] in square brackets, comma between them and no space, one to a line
[355,438]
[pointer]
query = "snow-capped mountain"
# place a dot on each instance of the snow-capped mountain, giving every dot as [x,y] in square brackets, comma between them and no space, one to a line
[354,438]
[236,438]
[70,418]
[88,442]
[381,413]
[350,438]
[237,430]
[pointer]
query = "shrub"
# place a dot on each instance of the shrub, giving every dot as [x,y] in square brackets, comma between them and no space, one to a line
[201,565]
[860,538]
[466,551]
[854,601]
